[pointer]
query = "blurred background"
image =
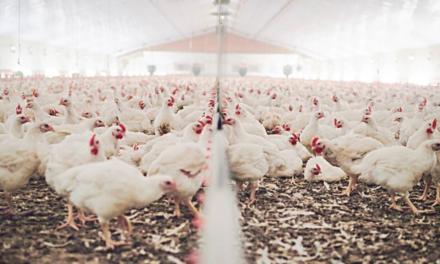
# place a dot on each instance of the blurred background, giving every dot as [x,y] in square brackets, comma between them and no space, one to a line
[394,41]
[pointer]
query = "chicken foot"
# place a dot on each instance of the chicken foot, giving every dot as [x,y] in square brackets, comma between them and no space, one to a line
[70,220]
[352,181]
[437,196]
[192,208]
[412,206]
[394,205]
[83,218]
[424,195]
[107,236]
[125,225]
[253,189]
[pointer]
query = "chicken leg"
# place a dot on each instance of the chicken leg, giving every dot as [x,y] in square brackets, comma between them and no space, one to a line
[192,208]
[125,225]
[83,218]
[107,236]
[70,221]
[177,211]
[352,181]
[413,208]
[253,189]
[424,196]
[437,196]
[394,204]
[411,205]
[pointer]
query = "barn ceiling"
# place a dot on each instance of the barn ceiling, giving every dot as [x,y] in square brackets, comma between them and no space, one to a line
[320,28]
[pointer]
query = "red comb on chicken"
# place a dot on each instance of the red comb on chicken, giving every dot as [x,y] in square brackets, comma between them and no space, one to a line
[53,112]
[337,123]
[141,104]
[316,170]
[293,139]
[94,145]
[122,127]
[314,141]
[198,127]
[35,93]
[237,109]
[432,126]
[18,109]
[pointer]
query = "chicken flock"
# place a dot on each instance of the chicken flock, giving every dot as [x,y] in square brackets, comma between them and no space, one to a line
[110,144]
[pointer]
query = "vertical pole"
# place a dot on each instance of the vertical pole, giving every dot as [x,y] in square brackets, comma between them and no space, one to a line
[19,33]
[220,38]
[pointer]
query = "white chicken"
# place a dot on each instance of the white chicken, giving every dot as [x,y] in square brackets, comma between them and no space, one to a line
[422,134]
[150,151]
[166,120]
[63,156]
[14,125]
[398,168]
[188,173]
[248,163]
[70,115]
[319,169]
[293,165]
[19,160]
[311,130]
[371,129]
[99,188]
[345,152]
[300,149]
[110,140]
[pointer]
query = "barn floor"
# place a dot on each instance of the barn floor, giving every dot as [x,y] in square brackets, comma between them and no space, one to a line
[302,223]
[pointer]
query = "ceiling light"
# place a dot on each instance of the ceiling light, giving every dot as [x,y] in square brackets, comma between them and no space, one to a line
[222,2]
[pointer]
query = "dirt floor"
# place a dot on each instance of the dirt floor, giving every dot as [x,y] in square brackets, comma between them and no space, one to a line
[290,223]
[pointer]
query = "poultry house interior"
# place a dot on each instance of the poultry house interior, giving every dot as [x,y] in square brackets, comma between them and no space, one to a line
[187,131]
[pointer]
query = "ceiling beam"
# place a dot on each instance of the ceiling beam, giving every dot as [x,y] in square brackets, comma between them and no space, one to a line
[165,16]
[280,11]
